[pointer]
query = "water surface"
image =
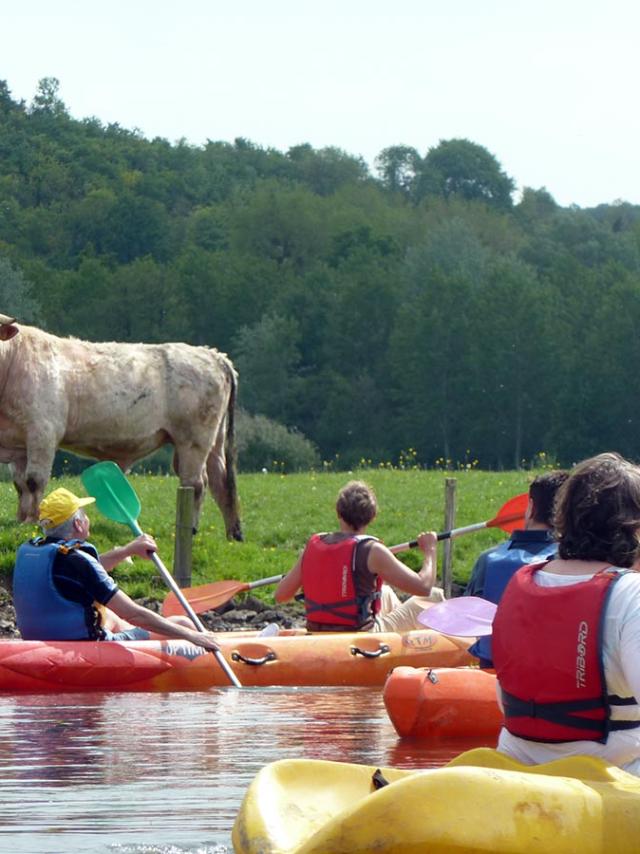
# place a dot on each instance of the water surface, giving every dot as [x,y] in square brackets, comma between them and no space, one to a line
[165,773]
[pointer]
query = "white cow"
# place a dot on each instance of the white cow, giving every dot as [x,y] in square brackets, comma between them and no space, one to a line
[118,402]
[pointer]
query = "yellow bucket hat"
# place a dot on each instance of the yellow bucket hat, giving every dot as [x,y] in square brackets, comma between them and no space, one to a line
[59,506]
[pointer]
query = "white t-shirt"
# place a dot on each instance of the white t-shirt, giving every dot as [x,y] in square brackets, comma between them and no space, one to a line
[621,650]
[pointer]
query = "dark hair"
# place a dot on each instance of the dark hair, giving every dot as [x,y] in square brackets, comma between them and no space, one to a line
[597,515]
[356,504]
[542,493]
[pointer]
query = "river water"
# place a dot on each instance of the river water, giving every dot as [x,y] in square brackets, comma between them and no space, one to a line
[166,773]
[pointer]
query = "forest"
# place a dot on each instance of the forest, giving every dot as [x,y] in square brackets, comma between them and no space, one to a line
[419,312]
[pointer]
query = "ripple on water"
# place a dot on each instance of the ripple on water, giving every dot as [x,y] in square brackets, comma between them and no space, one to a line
[166,773]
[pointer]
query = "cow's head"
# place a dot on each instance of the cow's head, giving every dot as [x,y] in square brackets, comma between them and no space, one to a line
[8,327]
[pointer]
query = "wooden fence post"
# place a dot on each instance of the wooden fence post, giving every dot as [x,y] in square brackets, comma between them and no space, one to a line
[184,536]
[449,524]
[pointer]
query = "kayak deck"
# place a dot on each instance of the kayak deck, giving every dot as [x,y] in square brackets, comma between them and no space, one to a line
[481,802]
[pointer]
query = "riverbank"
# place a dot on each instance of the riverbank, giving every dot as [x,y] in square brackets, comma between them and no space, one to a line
[247,613]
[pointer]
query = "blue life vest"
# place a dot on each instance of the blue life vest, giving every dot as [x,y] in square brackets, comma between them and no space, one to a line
[501,564]
[41,612]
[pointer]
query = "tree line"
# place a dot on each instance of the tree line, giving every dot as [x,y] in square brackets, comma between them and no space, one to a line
[418,305]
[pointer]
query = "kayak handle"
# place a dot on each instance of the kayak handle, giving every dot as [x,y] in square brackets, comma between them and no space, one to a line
[383,649]
[238,656]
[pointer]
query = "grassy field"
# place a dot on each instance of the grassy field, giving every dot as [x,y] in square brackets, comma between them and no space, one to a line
[279,512]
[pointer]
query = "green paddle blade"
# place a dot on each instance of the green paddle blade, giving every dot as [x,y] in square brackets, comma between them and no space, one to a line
[114,495]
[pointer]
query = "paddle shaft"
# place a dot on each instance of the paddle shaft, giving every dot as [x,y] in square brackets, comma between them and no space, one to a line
[458,532]
[262,582]
[444,535]
[164,572]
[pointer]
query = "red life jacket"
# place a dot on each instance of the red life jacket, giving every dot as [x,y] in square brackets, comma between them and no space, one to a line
[547,652]
[330,586]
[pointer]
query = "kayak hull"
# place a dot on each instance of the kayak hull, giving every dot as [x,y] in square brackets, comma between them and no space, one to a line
[442,702]
[176,665]
[481,802]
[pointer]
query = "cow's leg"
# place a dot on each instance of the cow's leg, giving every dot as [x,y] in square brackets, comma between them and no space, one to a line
[30,477]
[189,464]
[18,467]
[223,486]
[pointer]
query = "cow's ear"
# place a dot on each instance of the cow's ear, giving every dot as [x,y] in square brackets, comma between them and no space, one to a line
[7,331]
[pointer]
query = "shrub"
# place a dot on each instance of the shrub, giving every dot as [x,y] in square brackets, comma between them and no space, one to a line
[261,443]
[266,444]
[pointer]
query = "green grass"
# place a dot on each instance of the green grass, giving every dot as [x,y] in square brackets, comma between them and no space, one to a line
[279,512]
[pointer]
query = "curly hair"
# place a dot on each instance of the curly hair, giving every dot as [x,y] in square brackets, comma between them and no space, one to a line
[597,511]
[543,491]
[357,504]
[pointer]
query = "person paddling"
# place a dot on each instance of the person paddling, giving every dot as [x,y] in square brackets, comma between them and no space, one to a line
[566,635]
[341,574]
[61,586]
[494,568]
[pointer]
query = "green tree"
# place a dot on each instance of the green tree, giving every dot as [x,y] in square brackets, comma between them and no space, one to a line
[514,345]
[429,358]
[459,167]
[208,228]
[535,206]
[325,170]
[612,380]
[16,296]
[398,166]
[282,223]
[267,358]
[47,99]
[219,292]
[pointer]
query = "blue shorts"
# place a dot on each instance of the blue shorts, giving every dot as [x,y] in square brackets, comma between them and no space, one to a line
[135,633]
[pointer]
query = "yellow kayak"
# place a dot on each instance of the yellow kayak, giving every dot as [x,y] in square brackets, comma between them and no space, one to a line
[482,801]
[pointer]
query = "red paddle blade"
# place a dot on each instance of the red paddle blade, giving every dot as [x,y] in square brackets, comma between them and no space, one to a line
[511,515]
[204,597]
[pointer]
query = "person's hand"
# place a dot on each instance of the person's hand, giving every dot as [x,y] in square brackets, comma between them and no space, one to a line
[207,640]
[428,541]
[143,546]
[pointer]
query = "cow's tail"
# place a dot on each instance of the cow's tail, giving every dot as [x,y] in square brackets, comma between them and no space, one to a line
[230,452]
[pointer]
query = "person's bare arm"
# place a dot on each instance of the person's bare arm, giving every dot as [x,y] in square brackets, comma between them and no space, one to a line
[137,615]
[385,564]
[290,584]
[142,546]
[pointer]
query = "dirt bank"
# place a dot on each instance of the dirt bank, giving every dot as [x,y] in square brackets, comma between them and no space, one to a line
[247,613]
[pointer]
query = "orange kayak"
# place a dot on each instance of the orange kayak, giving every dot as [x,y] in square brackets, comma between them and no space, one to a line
[452,702]
[174,665]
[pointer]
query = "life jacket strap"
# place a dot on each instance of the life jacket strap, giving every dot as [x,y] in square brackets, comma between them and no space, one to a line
[614,700]
[564,714]
[336,609]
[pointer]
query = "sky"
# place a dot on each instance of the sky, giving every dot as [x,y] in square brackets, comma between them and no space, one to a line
[548,87]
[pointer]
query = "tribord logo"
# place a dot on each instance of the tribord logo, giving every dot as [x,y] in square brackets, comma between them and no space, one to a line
[581,651]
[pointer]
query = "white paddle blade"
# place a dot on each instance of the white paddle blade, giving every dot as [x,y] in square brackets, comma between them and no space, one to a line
[465,616]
